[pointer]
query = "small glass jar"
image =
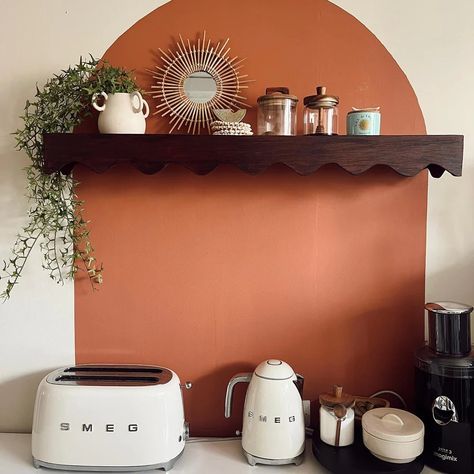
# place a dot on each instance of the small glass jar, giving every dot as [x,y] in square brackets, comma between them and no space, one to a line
[276,112]
[320,113]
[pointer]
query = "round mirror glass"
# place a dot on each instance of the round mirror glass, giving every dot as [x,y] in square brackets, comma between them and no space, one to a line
[200,87]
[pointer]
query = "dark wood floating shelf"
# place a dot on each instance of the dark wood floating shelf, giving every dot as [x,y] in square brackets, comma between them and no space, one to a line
[407,154]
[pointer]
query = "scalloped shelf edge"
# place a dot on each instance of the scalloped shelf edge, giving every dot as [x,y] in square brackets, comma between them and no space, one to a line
[405,154]
[435,170]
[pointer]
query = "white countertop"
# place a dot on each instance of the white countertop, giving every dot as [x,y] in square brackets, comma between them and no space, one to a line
[207,457]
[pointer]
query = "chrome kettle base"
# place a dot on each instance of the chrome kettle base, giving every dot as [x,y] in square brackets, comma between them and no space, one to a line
[166,466]
[253,460]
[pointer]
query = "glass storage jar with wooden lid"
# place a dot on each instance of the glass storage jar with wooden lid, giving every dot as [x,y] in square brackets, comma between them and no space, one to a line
[320,113]
[276,112]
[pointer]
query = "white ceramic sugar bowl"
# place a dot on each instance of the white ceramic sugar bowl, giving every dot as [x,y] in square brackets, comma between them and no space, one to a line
[336,418]
[393,435]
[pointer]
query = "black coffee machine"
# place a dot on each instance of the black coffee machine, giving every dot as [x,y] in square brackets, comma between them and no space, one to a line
[445,388]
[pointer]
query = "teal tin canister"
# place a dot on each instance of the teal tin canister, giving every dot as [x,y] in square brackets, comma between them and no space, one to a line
[363,121]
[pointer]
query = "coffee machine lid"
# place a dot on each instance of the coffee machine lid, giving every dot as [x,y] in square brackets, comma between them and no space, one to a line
[448,307]
[445,366]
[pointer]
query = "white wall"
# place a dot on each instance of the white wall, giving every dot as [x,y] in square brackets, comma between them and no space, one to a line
[37,39]
[432,40]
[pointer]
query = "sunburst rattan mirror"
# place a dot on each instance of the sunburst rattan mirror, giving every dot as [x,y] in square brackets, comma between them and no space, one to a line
[195,79]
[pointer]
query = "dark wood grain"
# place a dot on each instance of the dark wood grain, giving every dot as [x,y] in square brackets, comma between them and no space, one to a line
[407,155]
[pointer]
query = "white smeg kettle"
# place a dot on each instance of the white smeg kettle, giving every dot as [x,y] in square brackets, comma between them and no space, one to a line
[273,429]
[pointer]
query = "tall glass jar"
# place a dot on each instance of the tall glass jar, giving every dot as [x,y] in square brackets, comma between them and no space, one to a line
[320,113]
[276,112]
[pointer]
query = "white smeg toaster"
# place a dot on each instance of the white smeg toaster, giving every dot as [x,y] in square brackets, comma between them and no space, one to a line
[109,418]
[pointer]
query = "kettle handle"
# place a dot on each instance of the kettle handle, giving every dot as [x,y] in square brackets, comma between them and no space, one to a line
[242,377]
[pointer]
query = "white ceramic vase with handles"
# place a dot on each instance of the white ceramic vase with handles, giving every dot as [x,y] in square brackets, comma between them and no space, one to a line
[121,112]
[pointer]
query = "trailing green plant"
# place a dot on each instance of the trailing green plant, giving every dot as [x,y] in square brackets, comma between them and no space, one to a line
[56,220]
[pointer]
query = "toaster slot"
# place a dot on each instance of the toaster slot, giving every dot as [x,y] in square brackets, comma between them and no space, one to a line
[107,379]
[131,375]
[115,369]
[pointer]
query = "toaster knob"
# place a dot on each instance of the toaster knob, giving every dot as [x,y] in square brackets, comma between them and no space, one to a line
[186,385]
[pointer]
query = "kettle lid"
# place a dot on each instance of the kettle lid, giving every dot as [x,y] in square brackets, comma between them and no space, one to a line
[274,369]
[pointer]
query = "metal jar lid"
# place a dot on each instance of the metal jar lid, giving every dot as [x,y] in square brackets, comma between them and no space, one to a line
[373,110]
[321,99]
[277,96]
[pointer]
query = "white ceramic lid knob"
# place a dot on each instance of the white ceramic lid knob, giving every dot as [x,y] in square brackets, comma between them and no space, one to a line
[274,369]
[392,420]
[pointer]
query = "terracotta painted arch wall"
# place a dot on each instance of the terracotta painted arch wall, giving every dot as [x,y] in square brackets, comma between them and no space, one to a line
[211,275]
